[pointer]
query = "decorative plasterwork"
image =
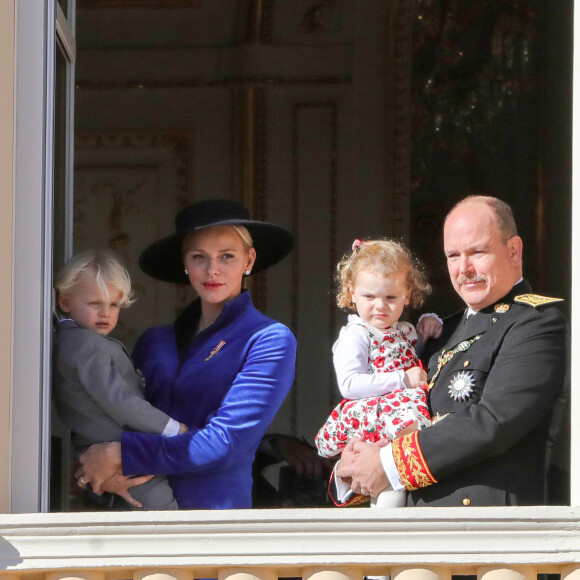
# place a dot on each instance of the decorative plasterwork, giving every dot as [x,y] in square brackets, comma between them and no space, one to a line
[128,187]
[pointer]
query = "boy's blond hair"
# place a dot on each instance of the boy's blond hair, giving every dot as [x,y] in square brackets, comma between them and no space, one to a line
[385,257]
[104,267]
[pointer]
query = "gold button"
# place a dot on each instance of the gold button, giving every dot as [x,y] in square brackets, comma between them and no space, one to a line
[465,363]
[466,501]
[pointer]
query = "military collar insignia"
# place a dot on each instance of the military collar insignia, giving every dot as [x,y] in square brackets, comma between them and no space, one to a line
[461,385]
[501,308]
[536,300]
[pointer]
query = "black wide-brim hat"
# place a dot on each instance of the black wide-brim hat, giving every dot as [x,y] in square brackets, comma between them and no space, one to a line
[163,259]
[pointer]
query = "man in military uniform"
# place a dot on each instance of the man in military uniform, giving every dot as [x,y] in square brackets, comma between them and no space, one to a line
[499,369]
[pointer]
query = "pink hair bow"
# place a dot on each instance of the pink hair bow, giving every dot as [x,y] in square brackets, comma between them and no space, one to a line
[356,245]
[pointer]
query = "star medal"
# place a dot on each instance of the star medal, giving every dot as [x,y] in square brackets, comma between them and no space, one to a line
[461,386]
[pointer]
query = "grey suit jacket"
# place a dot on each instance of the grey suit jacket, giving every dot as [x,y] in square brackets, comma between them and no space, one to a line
[96,390]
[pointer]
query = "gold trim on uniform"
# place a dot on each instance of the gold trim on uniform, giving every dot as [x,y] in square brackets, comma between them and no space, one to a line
[438,417]
[445,357]
[410,462]
[357,499]
[536,300]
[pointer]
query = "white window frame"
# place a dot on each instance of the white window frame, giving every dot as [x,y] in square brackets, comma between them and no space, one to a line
[30,406]
[575,263]
[37,26]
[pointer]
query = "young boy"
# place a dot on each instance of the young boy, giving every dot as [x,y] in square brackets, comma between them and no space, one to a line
[97,391]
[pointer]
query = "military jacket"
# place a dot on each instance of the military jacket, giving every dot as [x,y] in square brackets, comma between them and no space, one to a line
[496,378]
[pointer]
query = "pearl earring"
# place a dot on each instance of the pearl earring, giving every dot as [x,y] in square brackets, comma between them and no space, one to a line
[247,272]
[186,272]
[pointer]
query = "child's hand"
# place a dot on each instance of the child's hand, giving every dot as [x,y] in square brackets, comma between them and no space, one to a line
[415,377]
[429,327]
[182,429]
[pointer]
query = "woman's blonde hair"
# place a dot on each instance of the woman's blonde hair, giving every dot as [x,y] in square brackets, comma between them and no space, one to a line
[242,231]
[385,257]
[104,267]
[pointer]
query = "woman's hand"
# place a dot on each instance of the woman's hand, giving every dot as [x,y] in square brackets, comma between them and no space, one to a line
[120,485]
[99,463]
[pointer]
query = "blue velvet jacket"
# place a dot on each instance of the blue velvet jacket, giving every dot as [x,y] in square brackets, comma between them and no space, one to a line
[226,384]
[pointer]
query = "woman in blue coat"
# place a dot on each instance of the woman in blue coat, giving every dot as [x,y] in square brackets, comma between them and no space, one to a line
[222,368]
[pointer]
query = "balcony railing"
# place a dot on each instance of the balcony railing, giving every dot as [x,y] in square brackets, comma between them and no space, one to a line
[316,544]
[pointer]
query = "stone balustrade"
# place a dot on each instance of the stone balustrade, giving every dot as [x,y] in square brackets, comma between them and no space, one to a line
[316,544]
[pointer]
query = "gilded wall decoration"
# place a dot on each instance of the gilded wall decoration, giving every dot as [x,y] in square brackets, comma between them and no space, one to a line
[128,187]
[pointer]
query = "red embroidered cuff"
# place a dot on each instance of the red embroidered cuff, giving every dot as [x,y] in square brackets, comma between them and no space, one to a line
[410,462]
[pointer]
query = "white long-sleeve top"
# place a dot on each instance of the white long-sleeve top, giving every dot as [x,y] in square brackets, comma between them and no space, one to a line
[370,362]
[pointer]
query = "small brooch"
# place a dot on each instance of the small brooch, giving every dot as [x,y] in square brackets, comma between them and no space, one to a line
[219,346]
[461,386]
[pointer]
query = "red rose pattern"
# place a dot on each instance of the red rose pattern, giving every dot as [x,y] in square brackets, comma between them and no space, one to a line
[382,417]
[372,419]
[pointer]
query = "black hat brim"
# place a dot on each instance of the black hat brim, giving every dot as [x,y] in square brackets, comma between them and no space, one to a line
[163,260]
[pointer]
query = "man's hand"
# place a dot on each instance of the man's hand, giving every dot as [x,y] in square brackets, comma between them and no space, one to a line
[361,462]
[99,463]
[429,327]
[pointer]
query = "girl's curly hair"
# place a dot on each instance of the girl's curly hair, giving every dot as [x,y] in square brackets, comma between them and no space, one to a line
[385,257]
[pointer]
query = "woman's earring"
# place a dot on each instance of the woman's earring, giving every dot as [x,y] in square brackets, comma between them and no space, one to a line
[186,272]
[248,272]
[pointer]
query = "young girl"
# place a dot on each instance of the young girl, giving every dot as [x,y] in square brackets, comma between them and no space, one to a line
[97,392]
[378,372]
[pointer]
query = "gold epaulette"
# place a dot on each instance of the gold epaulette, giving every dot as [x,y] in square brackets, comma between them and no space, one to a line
[536,300]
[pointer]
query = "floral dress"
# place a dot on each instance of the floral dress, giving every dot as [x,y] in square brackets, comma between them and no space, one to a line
[384,415]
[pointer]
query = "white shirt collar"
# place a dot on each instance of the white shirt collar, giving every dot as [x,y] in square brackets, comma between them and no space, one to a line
[470,310]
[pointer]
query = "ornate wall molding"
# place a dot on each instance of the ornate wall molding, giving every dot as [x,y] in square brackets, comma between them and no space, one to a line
[233,82]
[400,59]
[259,196]
[298,198]
[81,4]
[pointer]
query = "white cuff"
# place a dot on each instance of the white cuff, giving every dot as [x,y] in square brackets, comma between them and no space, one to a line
[430,315]
[390,467]
[171,429]
[342,489]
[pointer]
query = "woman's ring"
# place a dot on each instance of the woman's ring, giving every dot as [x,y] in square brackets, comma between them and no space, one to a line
[82,479]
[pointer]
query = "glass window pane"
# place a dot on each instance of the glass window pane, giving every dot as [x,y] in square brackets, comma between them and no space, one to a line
[64,6]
